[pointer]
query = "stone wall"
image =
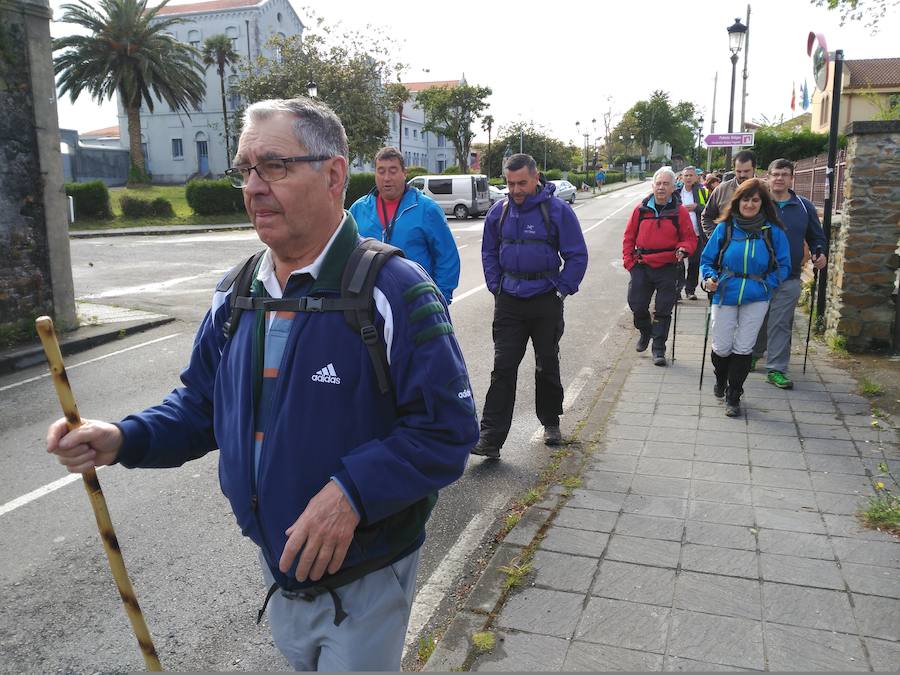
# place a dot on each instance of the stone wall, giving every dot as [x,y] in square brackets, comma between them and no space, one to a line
[35,275]
[864,249]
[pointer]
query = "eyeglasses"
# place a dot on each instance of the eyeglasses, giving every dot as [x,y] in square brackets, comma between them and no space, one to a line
[269,170]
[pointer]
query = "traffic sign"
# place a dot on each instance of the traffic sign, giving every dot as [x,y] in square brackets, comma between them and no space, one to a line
[724,140]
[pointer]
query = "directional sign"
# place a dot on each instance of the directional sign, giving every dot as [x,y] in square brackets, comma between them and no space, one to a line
[724,140]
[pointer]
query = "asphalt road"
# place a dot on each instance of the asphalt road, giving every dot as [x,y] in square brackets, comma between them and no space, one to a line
[196,578]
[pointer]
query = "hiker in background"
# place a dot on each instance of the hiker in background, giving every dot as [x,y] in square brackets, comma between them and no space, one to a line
[744,169]
[746,259]
[693,198]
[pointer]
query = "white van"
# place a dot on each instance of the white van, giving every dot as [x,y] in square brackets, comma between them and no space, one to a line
[463,196]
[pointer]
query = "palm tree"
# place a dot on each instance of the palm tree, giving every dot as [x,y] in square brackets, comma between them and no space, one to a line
[218,50]
[398,95]
[487,122]
[129,53]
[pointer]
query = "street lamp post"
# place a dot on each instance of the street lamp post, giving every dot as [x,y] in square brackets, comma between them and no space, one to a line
[736,34]
[699,134]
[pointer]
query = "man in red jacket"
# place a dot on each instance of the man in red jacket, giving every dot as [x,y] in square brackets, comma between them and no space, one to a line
[659,234]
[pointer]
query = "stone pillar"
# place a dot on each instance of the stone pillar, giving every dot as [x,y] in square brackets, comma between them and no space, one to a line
[862,269]
[36,274]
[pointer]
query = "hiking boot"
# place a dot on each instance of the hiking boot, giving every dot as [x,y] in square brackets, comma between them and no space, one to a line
[486,450]
[552,436]
[719,390]
[753,363]
[691,296]
[732,402]
[780,380]
[659,359]
[643,342]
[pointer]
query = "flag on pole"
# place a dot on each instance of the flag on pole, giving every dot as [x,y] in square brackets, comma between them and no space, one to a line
[793,96]
[804,103]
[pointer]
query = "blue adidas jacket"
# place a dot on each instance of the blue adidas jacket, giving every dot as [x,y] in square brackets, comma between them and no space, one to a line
[389,451]
[420,230]
[746,254]
[525,248]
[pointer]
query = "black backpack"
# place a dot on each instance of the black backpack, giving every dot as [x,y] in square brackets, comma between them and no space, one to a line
[357,289]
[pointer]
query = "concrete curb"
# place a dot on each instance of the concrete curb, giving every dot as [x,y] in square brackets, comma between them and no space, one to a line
[79,340]
[488,596]
[155,231]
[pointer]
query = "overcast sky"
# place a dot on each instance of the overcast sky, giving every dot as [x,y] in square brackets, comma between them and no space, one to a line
[559,64]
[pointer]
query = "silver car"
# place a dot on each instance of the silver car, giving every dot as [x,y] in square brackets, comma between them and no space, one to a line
[565,190]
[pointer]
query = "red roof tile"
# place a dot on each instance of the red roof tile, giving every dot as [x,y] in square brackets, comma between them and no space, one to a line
[873,72]
[97,133]
[209,6]
[421,86]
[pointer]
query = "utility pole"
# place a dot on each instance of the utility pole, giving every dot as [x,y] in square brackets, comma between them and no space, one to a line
[712,127]
[746,56]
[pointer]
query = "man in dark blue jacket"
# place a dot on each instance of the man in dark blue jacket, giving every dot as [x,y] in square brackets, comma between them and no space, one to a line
[801,223]
[526,237]
[337,509]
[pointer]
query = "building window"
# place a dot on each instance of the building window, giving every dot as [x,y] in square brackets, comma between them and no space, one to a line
[177,149]
[415,133]
[406,132]
[232,33]
[194,38]
[442,142]
[824,110]
[393,123]
[234,99]
[441,165]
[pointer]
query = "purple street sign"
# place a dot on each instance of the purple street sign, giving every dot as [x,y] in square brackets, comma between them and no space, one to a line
[724,140]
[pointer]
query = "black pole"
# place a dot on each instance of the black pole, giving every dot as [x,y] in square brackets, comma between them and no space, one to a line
[812,298]
[734,60]
[830,175]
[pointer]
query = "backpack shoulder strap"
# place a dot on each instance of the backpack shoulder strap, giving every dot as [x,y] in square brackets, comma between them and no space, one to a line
[767,239]
[358,284]
[726,240]
[552,241]
[241,276]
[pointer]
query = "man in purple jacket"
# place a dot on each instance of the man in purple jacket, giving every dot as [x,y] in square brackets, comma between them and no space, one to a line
[526,238]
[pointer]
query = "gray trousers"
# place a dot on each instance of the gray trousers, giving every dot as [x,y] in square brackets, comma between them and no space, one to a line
[734,327]
[775,335]
[370,638]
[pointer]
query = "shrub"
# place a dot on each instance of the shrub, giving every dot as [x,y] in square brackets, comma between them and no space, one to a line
[208,197]
[497,182]
[91,199]
[553,174]
[414,171]
[614,177]
[360,185]
[133,207]
[452,170]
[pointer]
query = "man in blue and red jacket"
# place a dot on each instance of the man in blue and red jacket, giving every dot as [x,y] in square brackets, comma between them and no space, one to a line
[330,475]
[526,238]
[658,236]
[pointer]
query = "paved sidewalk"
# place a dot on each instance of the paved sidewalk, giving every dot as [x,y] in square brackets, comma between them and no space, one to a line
[698,542]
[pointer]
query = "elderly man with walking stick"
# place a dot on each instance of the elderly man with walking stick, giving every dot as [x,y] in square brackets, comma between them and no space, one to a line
[337,510]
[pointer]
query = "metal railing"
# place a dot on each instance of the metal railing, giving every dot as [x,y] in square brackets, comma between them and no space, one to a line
[809,179]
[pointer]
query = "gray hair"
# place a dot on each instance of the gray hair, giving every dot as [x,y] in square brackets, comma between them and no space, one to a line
[665,170]
[317,128]
[519,161]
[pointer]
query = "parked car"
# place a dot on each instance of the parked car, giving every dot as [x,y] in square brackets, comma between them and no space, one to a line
[565,190]
[463,196]
[496,193]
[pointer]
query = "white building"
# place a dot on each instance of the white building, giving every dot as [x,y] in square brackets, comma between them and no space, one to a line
[177,146]
[421,148]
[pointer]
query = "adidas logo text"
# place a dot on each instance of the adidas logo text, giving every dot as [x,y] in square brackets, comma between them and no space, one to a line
[327,375]
[465,393]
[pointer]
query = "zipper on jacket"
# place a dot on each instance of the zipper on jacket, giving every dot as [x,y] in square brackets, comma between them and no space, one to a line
[744,278]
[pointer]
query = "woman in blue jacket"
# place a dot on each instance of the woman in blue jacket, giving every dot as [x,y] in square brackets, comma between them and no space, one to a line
[746,258]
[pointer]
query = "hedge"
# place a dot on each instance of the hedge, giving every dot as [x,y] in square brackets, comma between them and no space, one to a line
[415,171]
[209,197]
[360,185]
[133,207]
[91,199]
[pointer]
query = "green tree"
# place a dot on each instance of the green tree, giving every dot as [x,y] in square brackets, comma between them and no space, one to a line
[218,51]
[130,53]
[487,123]
[857,10]
[536,143]
[348,77]
[451,111]
[656,119]
[771,143]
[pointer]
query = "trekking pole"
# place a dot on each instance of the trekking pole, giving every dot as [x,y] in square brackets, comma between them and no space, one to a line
[812,304]
[47,334]
[705,339]
[675,322]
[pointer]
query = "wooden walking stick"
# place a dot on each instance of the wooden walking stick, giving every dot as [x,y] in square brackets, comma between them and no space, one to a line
[47,334]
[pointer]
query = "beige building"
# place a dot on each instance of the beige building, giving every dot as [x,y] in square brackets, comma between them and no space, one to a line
[862,78]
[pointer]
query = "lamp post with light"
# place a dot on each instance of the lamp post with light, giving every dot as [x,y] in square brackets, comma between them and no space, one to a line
[736,34]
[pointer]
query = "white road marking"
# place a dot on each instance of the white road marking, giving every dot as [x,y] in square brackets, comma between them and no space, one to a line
[40,492]
[600,222]
[145,288]
[571,394]
[468,293]
[94,360]
[460,248]
[441,580]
